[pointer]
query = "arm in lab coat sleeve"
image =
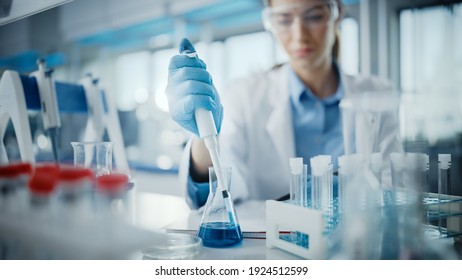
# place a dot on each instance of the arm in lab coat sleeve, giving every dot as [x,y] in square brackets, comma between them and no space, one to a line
[195,193]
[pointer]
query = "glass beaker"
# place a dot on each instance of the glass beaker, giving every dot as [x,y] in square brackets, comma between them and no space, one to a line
[219,226]
[94,155]
[364,114]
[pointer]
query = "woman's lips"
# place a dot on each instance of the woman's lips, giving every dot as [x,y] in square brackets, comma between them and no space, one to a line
[303,52]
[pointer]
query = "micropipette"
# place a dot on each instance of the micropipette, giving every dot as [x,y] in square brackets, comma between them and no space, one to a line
[49,104]
[208,132]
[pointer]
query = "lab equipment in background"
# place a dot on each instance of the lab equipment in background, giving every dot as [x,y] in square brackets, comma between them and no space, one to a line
[3,155]
[54,225]
[102,115]
[413,236]
[49,105]
[411,211]
[360,226]
[94,130]
[114,198]
[219,225]
[94,155]
[367,117]
[22,93]
[13,107]
[370,124]
[74,196]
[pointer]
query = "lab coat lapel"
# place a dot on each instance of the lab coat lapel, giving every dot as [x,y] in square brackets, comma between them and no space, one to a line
[279,125]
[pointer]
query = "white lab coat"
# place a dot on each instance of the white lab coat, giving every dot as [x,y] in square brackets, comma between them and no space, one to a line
[257,137]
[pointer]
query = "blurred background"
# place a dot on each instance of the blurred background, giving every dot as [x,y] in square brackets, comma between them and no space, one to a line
[127,46]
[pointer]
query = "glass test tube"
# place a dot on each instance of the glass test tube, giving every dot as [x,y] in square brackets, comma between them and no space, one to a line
[298,193]
[321,182]
[444,188]
[296,181]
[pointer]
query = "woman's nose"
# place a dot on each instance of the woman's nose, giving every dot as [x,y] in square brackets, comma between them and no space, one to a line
[299,31]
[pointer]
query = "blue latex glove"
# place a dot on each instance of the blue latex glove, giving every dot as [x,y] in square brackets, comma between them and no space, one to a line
[189,87]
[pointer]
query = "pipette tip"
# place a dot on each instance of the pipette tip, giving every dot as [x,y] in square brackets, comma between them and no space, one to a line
[186,47]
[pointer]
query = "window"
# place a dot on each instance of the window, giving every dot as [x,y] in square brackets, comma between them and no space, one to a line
[431,68]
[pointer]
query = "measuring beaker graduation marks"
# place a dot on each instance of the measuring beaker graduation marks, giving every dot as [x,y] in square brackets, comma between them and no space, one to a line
[219,225]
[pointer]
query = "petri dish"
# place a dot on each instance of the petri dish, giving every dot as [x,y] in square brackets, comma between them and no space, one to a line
[178,246]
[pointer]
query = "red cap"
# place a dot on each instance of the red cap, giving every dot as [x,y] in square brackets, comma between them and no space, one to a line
[15,169]
[47,168]
[112,182]
[42,183]
[44,179]
[74,173]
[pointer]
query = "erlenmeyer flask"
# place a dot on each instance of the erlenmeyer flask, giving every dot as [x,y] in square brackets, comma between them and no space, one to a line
[219,226]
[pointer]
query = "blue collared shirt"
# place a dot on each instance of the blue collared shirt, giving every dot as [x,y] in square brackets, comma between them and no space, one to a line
[316,121]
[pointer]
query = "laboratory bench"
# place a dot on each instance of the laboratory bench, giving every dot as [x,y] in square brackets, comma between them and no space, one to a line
[153,206]
[161,211]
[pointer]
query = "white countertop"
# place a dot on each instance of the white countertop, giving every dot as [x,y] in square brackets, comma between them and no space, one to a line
[154,211]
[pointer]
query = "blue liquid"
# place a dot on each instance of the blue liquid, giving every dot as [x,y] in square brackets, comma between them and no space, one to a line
[220,235]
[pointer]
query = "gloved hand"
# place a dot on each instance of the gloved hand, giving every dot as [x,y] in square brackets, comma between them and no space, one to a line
[189,87]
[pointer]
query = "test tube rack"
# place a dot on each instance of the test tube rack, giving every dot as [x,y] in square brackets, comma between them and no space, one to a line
[320,227]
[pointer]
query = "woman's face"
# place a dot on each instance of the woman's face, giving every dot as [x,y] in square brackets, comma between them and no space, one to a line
[305,28]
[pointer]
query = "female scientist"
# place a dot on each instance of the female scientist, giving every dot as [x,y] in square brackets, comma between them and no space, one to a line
[290,110]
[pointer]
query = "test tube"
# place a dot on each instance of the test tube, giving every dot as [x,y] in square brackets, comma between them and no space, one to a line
[321,182]
[444,188]
[342,176]
[296,181]
[304,186]
[316,173]
[296,191]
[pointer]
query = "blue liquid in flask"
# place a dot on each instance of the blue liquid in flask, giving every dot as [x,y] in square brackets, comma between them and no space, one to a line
[220,234]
